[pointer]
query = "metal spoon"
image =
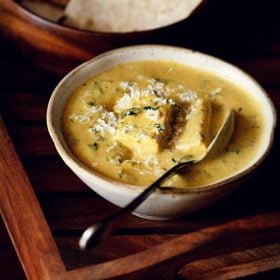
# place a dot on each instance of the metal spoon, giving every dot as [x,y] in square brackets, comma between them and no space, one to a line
[100,230]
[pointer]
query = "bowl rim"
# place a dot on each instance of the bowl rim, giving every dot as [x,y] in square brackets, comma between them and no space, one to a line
[81,168]
[53,24]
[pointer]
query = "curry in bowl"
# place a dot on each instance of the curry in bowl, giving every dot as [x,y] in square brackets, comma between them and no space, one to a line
[137,119]
[123,118]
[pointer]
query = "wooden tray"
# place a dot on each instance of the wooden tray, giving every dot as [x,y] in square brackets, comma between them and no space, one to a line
[41,259]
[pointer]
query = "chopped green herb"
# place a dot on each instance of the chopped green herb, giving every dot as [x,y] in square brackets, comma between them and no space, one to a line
[129,112]
[174,160]
[98,86]
[205,81]
[186,158]
[158,127]
[94,146]
[151,108]
[240,109]
[236,151]
[217,93]
[90,103]
[255,126]
[102,85]
[160,80]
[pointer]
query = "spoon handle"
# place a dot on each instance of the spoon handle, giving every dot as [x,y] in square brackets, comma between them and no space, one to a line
[100,230]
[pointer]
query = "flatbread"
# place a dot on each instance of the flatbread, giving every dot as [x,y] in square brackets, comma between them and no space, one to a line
[126,15]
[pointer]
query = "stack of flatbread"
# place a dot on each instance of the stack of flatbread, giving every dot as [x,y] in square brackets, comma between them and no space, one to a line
[114,15]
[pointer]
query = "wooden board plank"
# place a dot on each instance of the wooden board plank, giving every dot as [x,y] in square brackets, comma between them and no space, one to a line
[234,265]
[23,217]
[40,257]
[172,254]
[253,45]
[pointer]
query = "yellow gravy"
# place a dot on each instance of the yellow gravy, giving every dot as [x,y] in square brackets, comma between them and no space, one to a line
[137,120]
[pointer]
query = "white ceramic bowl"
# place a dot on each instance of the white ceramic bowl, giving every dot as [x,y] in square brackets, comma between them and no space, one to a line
[161,204]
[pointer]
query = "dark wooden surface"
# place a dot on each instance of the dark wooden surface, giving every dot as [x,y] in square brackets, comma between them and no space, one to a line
[247,35]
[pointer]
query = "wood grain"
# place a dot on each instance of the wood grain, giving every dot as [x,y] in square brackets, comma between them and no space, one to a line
[234,265]
[38,252]
[23,217]
[174,248]
[69,206]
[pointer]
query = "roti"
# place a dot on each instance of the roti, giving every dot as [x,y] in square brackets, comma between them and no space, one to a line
[126,15]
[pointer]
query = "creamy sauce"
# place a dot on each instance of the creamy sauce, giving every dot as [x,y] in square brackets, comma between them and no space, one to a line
[129,123]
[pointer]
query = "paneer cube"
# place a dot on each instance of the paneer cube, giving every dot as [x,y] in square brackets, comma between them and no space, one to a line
[145,130]
[135,139]
[194,137]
